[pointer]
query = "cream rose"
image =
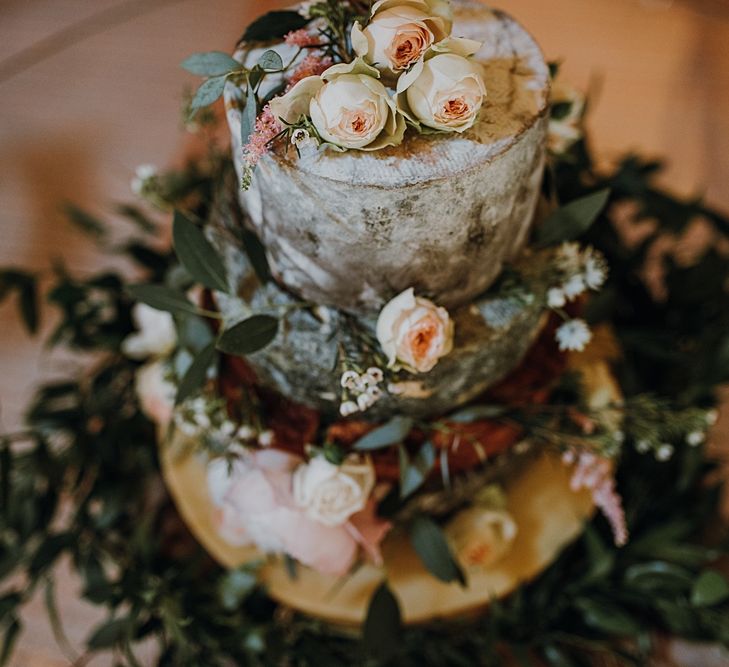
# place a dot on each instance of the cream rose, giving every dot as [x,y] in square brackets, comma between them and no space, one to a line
[331,494]
[399,32]
[445,92]
[155,392]
[156,335]
[480,536]
[348,106]
[414,331]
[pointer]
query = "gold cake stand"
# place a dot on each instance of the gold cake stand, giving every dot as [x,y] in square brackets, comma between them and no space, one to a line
[548,514]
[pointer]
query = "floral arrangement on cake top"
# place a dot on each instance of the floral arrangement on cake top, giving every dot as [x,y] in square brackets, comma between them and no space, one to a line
[356,79]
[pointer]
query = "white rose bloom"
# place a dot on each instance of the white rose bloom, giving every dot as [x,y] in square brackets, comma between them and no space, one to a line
[414,331]
[399,32]
[156,337]
[447,93]
[155,392]
[481,536]
[331,494]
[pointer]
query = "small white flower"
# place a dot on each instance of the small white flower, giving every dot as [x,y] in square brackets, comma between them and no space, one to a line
[227,428]
[664,452]
[556,297]
[574,286]
[348,408]
[246,432]
[573,335]
[364,401]
[375,374]
[266,438]
[569,457]
[374,392]
[349,379]
[695,438]
[712,416]
[156,335]
[201,419]
[595,269]
[643,446]
[142,174]
[619,436]
[569,254]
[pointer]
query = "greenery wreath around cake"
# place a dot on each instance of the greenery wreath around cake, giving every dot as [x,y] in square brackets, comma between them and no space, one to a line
[297,440]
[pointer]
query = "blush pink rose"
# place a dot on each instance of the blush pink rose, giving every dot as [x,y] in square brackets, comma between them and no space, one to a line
[256,506]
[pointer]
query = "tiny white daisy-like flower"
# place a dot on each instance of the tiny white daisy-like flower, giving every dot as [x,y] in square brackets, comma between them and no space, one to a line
[619,436]
[266,438]
[246,432]
[664,452]
[596,269]
[349,379]
[712,416]
[574,286]
[556,297]
[569,457]
[642,446]
[569,253]
[227,428]
[201,419]
[573,335]
[303,141]
[695,438]
[348,408]
[374,392]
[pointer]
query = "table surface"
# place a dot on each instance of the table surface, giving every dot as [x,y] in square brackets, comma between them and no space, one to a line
[89,90]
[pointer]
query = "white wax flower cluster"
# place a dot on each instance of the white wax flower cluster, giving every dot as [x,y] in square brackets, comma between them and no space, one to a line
[408,69]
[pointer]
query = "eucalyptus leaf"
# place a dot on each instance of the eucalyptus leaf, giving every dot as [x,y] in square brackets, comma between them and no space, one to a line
[475,413]
[273,26]
[84,221]
[270,61]
[211,63]
[162,298]
[10,636]
[249,336]
[209,91]
[710,589]
[197,254]
[109,634]
[390,433]
[572,220]
[382,626]
[431,546]
[413,472]
[257,255]
[196,374]
[248,118]
[607,617]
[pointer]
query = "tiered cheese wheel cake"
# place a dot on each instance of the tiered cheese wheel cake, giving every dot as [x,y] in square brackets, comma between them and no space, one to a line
[426,235]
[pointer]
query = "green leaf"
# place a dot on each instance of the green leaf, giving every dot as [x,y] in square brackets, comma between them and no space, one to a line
[414,472]
[250,113]
[87,223]
[197,254]
[390,433]
[138,217]
[431,546]
[209,91]
[211,63]
[476,413]
[48,551]
[28,305]
[109,634]
[10,637]
[607,618]
[257,255]
[382,627]
[572,220]
[273,26]
[249,336]
[196,374]
[710,589]
[235,586]
[270,61]
[162,298]
[657,576]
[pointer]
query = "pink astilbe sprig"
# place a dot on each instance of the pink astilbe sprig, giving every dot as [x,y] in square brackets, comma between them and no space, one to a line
[595,473]
[312,65]
[301,38]
[266,129]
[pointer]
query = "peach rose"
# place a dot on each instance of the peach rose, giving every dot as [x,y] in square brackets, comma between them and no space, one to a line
[399,32]
[255,505]
[414,331]
[348,106]
[480,536]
